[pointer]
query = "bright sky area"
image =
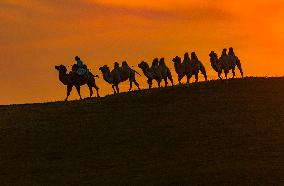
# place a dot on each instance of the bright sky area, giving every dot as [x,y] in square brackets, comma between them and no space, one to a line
[36,35]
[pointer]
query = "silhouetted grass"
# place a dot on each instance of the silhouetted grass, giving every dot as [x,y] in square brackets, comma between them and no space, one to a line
[212,133]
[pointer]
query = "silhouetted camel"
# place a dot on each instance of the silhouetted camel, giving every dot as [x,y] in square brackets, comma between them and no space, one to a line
[73,79]
[150,74]
[165,71]
[158,71]
[197,66]
[118,75]
[182,69]
[188,67]
[229,62]
[216,63]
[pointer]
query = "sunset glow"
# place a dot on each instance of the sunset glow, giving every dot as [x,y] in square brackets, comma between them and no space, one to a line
[36,35]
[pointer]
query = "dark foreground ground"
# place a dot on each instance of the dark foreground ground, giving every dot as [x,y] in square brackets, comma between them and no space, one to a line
[214,133]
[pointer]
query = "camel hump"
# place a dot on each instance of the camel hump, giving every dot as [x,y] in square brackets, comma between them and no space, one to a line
[116,65]
[162,62]
[155,62]
[125,64]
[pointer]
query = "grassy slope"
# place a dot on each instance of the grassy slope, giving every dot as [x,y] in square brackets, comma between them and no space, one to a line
[215,133]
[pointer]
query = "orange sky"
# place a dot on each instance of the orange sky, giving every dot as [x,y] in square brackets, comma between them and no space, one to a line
[35,35]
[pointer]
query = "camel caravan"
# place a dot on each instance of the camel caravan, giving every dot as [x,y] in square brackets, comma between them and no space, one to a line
[158,71]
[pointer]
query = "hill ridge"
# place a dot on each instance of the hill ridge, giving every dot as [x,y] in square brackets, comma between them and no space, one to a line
[212,133]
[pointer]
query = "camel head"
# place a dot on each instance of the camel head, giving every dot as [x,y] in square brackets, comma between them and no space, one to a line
[143,65]
[61,68]
[176,60]
[106,73]
[104,69]
[213,55]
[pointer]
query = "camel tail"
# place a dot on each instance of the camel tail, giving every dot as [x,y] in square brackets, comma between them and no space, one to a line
[239,65]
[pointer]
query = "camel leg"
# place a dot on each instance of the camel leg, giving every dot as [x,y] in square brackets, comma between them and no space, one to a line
[203,71]
[114,91]
[179,79]
[149,83]
[117,89]
[205,75]
[226,75]
[171,79]
[159,83]
[241,71]
[137,84]
[79,92]
[234,73]
[91,90]
[240,67]
[166,82]
[188,79]
[196,77]
[69,89]
[219,75]
[97,90]
[130,86]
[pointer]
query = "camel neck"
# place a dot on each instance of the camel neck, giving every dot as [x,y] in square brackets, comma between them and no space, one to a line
[177,65]
[146,71]
[63,77]
[106,76]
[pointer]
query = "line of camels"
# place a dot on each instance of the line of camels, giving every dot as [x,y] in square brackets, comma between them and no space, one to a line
[190,66]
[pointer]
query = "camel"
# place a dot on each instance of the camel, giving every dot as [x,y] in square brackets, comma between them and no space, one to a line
[197,66]
[234,61]
[73,79]
[229,62]
[216,63]
[182,69]
[165,72]
[188,67]
[119,75]
[150,74]
[158,71]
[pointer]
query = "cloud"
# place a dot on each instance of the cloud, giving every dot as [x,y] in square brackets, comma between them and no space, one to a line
[44,19]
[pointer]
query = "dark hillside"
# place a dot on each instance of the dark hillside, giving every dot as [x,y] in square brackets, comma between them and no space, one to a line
[212,133]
